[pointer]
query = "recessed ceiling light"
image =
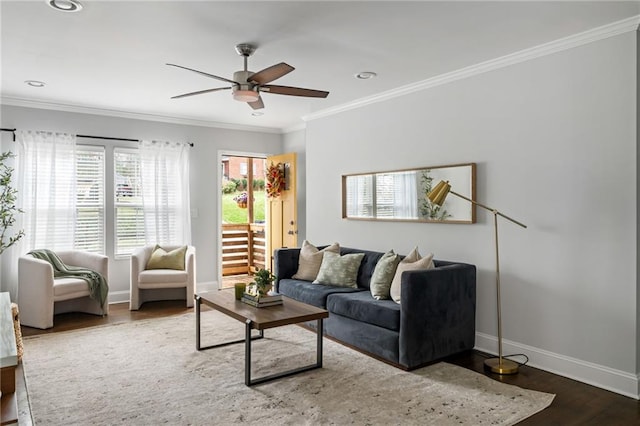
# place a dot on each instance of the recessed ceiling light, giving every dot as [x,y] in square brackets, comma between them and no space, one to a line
[35,83]
[65,5]
[366,75]
[257,113]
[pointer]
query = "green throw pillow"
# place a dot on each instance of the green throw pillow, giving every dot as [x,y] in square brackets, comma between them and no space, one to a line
[339,270]
[383,275]
[162,259]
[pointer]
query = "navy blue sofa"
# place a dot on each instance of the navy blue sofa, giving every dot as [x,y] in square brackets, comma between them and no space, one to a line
[435,319]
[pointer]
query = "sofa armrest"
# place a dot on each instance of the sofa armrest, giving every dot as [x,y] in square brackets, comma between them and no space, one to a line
[437,313]
[190,264]
[285,263]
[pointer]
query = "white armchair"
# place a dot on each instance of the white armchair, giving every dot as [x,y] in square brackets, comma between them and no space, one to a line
[161,284]
[41,296]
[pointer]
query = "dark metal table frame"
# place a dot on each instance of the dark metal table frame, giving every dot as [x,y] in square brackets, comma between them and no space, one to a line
[248,338]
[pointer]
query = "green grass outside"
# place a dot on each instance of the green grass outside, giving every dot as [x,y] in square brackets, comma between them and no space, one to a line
[231,213]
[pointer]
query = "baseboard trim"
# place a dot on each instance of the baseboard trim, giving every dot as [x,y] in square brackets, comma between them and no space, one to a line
[207,286]
[119,296]
[590,373]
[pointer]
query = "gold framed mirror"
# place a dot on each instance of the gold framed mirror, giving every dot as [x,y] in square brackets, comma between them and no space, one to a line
[400,195]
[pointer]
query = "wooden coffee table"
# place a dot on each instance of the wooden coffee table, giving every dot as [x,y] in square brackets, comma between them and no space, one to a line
[290,312]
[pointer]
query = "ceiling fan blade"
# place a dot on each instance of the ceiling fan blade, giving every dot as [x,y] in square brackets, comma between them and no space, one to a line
[294,91]
[257,104]
[205,74]
[200,92]
[274,72]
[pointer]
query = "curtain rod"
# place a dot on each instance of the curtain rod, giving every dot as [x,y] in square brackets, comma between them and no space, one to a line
[109,138]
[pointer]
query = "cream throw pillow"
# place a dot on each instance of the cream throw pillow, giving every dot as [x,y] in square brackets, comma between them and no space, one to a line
[339,270]
[413,262]
[383,274]
[311,259]
[162,259]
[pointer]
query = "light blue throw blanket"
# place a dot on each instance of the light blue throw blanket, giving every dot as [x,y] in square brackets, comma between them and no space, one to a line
[98,288]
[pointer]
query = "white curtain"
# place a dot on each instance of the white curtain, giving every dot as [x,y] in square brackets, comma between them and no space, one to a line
[44,175]
[46,170]
[164,171]
[405,202]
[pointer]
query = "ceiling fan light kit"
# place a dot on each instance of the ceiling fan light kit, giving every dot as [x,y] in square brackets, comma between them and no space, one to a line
[247,85]
[245,95]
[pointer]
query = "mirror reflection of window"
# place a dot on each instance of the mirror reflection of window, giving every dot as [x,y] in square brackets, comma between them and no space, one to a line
[359,194]
[401,195]
[396,195]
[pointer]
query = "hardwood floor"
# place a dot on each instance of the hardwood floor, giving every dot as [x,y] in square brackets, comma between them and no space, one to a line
[575,403]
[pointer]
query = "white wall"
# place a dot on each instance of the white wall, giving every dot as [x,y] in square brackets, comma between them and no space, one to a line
[555,142]
[204,171]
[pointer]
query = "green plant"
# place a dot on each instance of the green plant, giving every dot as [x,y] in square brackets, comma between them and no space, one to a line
[263,279]
[8,208]
[258,184]
[427,208]
[229,187]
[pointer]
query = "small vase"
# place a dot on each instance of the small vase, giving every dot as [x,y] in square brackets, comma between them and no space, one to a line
[263,289]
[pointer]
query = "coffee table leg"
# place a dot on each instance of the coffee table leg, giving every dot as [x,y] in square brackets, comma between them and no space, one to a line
[247,372]
[320,332]
[247,353]
[198,302]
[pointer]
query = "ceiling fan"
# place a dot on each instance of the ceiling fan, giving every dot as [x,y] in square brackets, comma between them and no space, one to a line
[246,86]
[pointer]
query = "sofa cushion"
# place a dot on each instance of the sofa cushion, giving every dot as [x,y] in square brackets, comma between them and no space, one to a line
[368,264]
[413,262]
[309,293]
[383,275]
[363,307]
[339,270]
[310,260]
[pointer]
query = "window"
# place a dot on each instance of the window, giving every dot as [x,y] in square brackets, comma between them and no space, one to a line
[90,206]
[129,216]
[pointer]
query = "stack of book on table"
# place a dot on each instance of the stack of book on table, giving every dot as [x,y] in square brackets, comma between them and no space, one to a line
[262,301]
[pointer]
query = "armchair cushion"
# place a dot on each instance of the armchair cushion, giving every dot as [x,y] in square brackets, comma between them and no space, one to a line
[163,259]
[158,276]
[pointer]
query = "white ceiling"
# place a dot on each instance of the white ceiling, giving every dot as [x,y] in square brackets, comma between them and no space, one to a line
[110,57]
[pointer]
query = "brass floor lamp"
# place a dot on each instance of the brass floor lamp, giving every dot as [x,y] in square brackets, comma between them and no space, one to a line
[437,196]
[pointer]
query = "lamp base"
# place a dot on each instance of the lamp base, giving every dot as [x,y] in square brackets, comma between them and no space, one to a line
[501,366]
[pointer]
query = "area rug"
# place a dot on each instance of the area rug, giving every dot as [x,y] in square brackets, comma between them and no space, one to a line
[148,372]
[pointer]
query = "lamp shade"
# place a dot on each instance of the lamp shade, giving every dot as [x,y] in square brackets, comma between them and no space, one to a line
[439,193]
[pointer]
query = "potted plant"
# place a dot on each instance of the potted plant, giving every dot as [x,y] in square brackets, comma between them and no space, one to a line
[8,207]
[264,281]
[241,200]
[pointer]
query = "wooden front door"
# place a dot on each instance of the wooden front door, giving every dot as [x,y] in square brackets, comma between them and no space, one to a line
[282,212]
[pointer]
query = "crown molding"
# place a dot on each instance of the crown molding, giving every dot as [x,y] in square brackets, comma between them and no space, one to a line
[30,103]
[559,45]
